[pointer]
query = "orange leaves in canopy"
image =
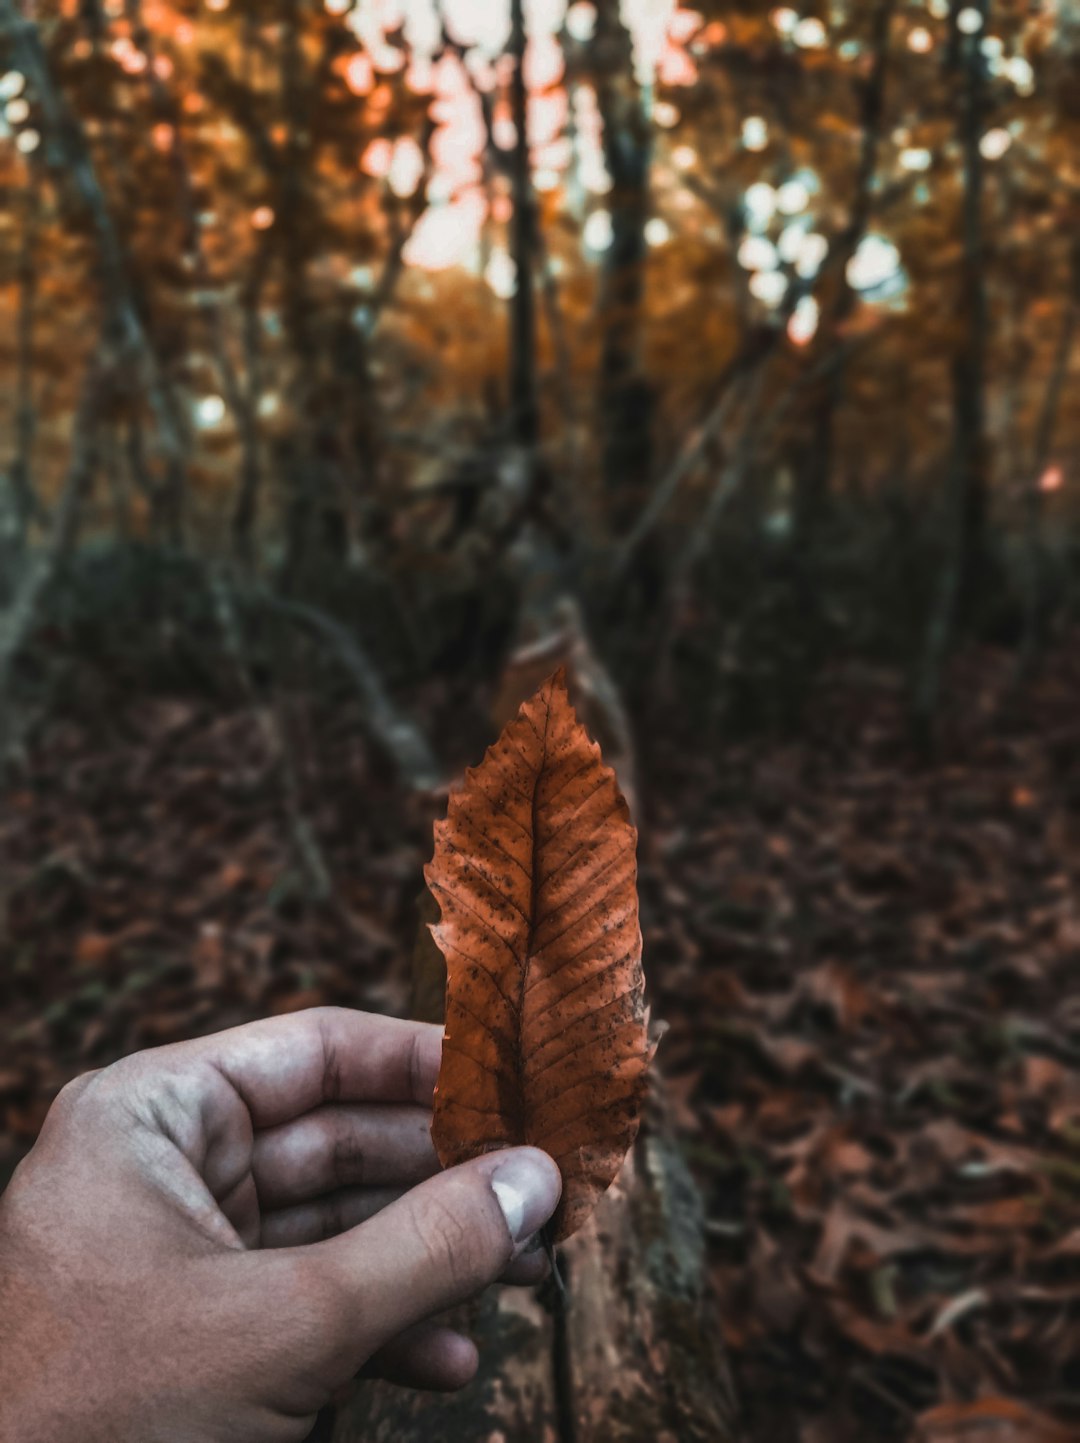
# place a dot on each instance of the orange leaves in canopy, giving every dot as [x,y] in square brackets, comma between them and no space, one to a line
[535,873]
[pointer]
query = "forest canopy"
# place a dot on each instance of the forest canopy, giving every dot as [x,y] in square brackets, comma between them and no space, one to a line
[304,232]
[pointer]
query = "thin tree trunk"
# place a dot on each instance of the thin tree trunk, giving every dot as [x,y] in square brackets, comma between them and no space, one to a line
[1034,600]
[305,483]
[524,404]
[242,401]
[625,400]
[967,486]
[27,504]
[969,372]
[814,479]
[564,373]
[246,510]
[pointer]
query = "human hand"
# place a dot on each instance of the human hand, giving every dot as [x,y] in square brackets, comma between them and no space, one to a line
[210,1239]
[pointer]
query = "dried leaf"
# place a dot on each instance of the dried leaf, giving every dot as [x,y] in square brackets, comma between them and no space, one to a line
[535,873]
[991,1420]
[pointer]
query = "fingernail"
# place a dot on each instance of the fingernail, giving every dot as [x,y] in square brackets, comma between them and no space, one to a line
[527,1187]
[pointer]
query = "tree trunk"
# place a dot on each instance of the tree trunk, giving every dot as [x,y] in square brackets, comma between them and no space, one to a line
[633,1356]
[23,486]
[966,499]
[969,371]
[814,478]
[523,398]
[632,1352]
[625,396]
[1035,558]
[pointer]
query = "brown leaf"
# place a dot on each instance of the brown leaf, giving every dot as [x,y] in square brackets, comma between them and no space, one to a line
[536,877]
[846,1230]
[93,948]
[991,1420]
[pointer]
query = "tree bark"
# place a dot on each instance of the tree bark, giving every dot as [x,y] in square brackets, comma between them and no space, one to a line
[966,498]
[630,1353]
[625,398]
[814,479]
[632,1356]
[523,398]
[301,471]
[1035,548]
[24,490]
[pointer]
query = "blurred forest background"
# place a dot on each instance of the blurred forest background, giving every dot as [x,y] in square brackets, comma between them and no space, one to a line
[362,362]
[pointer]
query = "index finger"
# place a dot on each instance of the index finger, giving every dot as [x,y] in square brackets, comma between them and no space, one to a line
[284,1066]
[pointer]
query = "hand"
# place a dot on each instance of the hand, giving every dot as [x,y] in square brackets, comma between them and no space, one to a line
[210,1239]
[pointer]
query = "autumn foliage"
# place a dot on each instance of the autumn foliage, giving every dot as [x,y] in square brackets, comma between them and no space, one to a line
[361,362]
[536,876]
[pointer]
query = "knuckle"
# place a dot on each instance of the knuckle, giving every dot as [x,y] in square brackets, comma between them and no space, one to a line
[348,1162]
[121,1076]
[72,1096]
[325,1020]
[73,1090]
[327,1013]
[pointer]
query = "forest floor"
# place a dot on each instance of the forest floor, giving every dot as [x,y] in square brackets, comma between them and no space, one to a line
[869,968]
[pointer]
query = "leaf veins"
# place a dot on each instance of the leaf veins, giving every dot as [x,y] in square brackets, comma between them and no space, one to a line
[536,879]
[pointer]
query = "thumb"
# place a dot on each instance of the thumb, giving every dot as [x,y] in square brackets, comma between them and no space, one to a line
[443,1241]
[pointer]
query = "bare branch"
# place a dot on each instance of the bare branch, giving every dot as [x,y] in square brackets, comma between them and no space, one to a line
[27,502]
[396,733]
[689,457]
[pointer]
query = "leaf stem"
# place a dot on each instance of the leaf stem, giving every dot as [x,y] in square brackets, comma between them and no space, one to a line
[548,1240]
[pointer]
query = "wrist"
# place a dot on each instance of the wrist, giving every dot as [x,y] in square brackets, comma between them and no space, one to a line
[37,1392]
[31,1372]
